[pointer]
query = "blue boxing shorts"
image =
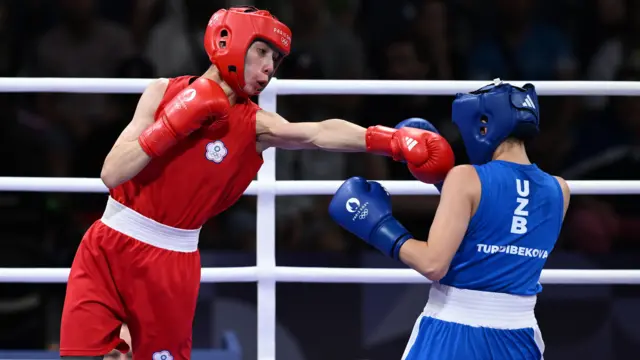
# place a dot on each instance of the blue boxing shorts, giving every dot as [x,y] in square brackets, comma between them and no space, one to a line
[459,324]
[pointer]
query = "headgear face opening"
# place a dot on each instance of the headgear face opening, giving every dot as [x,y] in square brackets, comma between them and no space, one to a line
[488,116]
[231,32]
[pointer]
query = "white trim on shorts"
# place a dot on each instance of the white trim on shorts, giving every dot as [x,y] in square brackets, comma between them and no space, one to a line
[481,308]
[135,225]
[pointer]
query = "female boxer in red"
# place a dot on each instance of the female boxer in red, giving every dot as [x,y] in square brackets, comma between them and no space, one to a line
[192,148]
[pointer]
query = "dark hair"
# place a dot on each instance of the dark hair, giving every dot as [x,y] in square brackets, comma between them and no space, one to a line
[524,132]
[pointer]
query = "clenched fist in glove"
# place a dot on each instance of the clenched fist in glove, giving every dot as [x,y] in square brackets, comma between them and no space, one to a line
[364,209]
[419,123]
[184,114]
[428,155]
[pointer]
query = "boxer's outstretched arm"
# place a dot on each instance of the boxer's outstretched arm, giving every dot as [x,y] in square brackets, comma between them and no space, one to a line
[272,130]
[458,201]
[126,159]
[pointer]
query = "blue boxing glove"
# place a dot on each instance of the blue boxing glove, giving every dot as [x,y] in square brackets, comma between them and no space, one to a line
[364,209]
[423,124]
[417,123]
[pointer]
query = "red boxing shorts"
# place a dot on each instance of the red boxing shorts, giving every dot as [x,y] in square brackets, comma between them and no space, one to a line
[131,269]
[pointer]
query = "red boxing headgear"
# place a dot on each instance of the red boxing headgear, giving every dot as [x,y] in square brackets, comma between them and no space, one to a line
[231,32]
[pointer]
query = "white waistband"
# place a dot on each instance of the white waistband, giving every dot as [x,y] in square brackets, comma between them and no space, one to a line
[480,308]
[127,221]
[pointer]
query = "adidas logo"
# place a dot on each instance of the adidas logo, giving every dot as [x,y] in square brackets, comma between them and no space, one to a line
[410,142]
[528,102]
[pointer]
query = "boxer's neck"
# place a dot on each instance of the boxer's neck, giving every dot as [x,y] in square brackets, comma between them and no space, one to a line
[214,74]
[512,152]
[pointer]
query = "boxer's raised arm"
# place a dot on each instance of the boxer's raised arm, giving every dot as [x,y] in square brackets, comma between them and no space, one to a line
[126,158]
[272,130]
[428,155]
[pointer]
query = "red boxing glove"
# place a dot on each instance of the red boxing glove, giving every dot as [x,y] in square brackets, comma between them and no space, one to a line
[428,155]
[184,114]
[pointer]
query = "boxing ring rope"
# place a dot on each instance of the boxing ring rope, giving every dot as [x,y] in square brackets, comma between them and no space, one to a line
[307,187]
[326,87]
[333,275]
[266,273]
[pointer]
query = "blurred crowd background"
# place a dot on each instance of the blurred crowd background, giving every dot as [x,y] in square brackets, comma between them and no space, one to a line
[68,135]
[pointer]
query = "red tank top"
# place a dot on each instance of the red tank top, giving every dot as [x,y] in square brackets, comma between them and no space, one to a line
[202,175]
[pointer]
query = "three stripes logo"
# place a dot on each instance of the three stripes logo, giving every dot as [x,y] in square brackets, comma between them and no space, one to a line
[528,102]
[410,142]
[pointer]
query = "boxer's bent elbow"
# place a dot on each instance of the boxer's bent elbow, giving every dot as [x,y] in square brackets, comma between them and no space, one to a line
[112,179]
[112,176]
[109,177]
[431,272]
[420,258]
[435,274]
[124,162]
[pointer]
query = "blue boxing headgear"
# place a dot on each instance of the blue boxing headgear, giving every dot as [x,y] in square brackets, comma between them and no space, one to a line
[488,116]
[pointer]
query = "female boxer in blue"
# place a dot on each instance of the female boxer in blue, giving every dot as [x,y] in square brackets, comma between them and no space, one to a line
[497,221]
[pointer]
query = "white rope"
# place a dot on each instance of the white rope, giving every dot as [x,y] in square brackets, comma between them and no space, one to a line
[60,275]
[446,87]
[331,275]
[407,276]
[579,187]
[327,87]
[74,85]
[86,185]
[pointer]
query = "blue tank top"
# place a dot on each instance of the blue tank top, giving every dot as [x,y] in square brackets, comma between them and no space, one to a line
[512,233]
